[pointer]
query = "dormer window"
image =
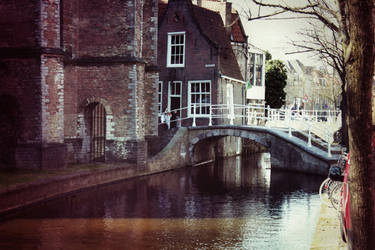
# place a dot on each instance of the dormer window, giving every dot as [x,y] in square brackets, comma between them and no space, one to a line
[176,49]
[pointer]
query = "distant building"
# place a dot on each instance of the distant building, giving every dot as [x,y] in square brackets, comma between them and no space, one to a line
[311,88]
[255,93]
[78,81]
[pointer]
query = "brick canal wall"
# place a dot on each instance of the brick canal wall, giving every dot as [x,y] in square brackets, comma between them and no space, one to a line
[186,148]
[26,194]
[174,155]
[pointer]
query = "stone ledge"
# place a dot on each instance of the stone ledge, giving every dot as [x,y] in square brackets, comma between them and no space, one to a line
[25,194]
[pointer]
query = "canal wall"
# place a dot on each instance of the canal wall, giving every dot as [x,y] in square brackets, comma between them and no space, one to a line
[18,196]
[188,147]
[178,153]
[174,155]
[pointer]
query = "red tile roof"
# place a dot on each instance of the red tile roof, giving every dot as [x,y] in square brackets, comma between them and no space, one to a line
[238,33]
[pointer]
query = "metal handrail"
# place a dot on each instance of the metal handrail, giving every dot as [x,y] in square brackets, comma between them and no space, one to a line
[322,123]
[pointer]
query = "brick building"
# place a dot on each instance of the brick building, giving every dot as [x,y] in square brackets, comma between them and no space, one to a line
[197,64]
[78,81]
[196,59]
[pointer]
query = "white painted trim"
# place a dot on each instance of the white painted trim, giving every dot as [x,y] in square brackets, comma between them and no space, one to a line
[189,97]
[161,99]
[169,65]
[170,95]
[232,79]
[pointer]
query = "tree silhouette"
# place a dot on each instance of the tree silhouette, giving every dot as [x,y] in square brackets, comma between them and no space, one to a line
[276,77]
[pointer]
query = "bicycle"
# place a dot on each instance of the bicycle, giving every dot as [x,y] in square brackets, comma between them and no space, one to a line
[331,188]
[329,192]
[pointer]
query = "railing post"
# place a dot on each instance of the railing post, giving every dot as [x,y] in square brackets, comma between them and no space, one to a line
[290,124]
[210,120]
[194,106]
[248,116]
[231,111]
[309,139]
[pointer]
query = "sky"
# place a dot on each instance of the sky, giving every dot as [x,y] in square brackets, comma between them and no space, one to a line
[275,35]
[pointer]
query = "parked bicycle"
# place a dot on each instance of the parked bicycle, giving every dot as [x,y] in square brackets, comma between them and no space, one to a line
[331,188]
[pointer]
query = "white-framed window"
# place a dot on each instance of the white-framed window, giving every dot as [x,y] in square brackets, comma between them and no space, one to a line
[176,49]
[174,95]
[256,68]
[200,95]
[160,97]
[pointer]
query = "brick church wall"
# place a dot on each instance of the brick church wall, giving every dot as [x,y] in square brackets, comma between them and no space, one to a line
[19,23]
[67,54]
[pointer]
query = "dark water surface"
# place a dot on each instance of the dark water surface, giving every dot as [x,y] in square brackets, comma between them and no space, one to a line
[232,204]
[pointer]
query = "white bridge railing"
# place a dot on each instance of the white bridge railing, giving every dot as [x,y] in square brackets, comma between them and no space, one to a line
[322,123]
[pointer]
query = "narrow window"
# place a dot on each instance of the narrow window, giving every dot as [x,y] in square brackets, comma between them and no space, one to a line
[256,68]
[176,49]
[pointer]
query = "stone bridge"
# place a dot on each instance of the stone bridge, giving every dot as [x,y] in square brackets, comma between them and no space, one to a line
[193,145]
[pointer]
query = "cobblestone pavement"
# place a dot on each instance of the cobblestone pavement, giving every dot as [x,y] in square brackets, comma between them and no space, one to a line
[327,233]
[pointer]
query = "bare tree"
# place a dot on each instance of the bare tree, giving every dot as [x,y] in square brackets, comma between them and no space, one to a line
[325,43]
[352,21]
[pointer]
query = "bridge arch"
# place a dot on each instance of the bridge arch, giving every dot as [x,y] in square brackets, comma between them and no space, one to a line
[205,134]
[286,152]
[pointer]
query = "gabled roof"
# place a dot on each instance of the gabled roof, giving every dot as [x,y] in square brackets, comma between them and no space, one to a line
[212,28]
[238,32]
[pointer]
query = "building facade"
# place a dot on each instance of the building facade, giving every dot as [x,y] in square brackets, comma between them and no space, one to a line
[78,81]
[197,63]
[312,88]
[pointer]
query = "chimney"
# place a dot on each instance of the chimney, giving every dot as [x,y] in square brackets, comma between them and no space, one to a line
[227,17]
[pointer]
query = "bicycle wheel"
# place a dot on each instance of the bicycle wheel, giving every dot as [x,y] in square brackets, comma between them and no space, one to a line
[335,194]
[324,191]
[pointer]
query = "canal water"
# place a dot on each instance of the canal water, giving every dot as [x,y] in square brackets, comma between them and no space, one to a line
[234,203]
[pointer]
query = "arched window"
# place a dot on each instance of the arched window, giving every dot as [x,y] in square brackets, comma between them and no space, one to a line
[97,131]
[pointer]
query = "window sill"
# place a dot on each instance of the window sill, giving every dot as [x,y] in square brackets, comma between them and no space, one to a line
[175,66]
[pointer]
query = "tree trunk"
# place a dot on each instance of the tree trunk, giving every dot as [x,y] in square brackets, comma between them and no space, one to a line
[359,73]
[344,125]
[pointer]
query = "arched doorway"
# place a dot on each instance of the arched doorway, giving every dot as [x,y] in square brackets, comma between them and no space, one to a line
[97,131]
[9,126]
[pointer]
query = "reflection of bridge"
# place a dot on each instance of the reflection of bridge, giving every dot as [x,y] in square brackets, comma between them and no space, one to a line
[296,140]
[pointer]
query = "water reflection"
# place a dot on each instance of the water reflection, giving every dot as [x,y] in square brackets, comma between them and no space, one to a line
[234,203]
